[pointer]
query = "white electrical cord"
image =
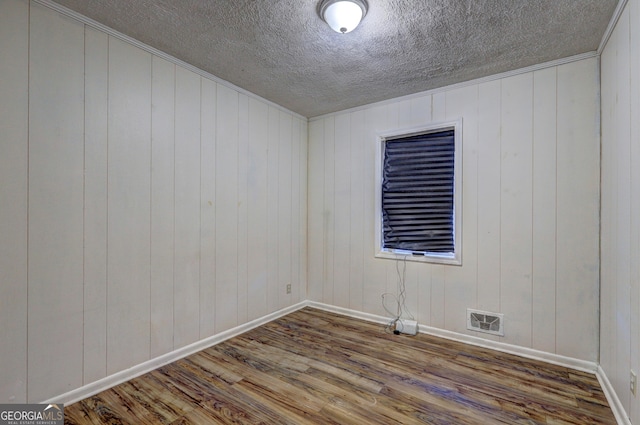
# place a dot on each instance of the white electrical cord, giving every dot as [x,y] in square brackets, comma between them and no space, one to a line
[400,300]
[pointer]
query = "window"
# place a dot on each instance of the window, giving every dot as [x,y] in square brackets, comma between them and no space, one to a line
[419,194]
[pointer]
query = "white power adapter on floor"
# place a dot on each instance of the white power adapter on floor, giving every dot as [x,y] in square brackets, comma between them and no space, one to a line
[409,327]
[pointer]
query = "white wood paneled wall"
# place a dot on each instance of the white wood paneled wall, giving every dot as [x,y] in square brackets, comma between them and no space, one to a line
[142,206]
[14,151]
[530,209]
[620,234]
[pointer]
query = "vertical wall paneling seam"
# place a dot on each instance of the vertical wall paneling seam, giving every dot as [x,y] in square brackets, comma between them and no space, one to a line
[294,278]
[269,202]
[325,230]
[279,230]
[278,203]
[213,189]
[241,235]
[281,197]
[629,225]
[304,210]
[350,143]
[26,378]
[306,135]
[532,278]
[616,225]
[202,202]
[334,221]
[304,203]
[364,230]
[635,62]
[266,212]
[479,150]
[612,230]
[173,267]
[330,207]
[555,225]
[106,294]
[555,232]
[151,198]
[151,186]
[335,208]
[292,233]
[296,234]
[322,141]
[325,218]
[479,140]
[600,201]
[246,162]
[237,207]
[150,146]
[84,191]
[499,253]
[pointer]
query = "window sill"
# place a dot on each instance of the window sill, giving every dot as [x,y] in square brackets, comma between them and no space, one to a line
[433,259]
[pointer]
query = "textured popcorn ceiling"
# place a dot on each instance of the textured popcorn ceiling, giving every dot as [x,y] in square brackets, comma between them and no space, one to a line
[282,51]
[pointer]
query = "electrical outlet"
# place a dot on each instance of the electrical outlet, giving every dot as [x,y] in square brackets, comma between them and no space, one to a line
[633,382]
[288,288]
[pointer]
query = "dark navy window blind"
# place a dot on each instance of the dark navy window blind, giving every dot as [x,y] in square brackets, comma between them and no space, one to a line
[418,193]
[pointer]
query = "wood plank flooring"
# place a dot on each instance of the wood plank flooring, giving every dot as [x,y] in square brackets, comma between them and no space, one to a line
[315,367]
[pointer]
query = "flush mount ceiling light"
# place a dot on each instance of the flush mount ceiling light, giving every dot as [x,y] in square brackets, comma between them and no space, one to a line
[343,15]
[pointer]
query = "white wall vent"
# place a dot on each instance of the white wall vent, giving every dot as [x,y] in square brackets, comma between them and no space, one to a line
[484,321]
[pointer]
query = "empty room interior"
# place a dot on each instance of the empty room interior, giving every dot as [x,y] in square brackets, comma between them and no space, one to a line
[203,203]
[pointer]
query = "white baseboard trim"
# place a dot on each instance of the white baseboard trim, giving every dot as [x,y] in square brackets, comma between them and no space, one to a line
[142,368]
[530,353]
[577,364]
[612,397]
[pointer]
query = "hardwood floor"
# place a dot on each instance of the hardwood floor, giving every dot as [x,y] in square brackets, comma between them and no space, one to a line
[315,367]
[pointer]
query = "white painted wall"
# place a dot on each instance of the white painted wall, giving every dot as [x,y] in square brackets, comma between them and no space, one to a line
[530,209]
[620,234]
[14,130]
[142,206]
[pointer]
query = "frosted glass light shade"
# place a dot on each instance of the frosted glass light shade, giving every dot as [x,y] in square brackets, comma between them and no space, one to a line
[343,16]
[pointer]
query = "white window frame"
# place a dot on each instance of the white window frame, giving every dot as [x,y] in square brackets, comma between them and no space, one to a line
[451,259]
